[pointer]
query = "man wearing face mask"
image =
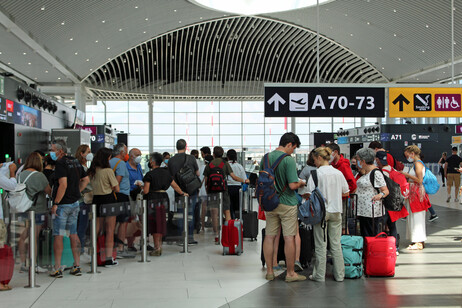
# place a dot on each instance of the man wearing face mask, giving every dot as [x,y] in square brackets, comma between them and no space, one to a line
[343,165]
[117,162]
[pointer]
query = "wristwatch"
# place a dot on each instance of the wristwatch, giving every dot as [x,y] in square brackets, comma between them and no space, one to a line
[383,194]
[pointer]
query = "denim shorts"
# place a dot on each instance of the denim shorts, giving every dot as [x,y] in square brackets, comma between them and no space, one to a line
[66,219]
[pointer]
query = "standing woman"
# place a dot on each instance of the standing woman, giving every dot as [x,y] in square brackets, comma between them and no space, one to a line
[234,186]
[441,163]
[105,185]
[370,194]
[418,202]
[84,155]
[156,183]
[333,187]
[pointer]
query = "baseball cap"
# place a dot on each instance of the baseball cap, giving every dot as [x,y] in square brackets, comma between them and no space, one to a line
[382,156]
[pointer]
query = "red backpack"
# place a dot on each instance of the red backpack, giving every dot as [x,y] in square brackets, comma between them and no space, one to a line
[400,179]
[216,181]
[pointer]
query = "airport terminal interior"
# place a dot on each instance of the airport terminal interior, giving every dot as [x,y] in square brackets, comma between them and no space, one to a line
[170,76]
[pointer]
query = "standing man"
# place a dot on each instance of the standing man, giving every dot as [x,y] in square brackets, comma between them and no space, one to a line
[285,215]
[175,164]
[452,174]
[343,165]
[117,162]
[69,181]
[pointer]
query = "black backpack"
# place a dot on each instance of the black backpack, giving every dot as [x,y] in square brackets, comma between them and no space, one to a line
[216,180]
[187,179]
[395,200]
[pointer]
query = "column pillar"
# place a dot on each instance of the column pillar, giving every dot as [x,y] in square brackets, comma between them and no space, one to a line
[151,124]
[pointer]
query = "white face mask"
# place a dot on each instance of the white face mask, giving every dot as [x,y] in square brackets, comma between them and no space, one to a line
[89,157]
[410,159]
[138,159]
[332,157]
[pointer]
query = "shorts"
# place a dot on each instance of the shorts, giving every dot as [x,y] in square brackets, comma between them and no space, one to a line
[66,219]
[102,199]
[213,201]
[123,217]
[157,220]
[453,179]
[284,216]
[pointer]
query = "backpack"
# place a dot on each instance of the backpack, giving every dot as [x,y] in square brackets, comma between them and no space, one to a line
[397,165]
[18,200]
[313,210]
[266,191]
[402,182]
[187,179]
[394,201]
[430,182]
[216,179]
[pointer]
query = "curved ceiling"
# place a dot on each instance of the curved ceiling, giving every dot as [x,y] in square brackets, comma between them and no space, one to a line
[57,43]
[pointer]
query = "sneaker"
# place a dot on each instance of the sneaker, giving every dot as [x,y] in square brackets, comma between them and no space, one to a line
[76,271]
[133,248]
[118,257]
[193,243]
[397,253]
[298,266]
[277,268]
[57,274]
[111,263]
[39,269]
[85,258]
[124,254]
[448,199]
[433,217]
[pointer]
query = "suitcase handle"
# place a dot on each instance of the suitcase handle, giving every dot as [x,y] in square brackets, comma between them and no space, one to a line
[381,234]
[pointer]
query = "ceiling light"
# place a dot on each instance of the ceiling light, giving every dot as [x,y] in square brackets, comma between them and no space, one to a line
[394,11]
[254,7]
[144,32]
[383,67]
[9,63]
[179,22]
[0,52]
[91,69]
[42,8]
[29,63]
[426,26]
[71,39]
[368,23]
[136,7]
[174,10]
[35,78]
[63,23]
[423,50]
[96,41]
[76,53]
[109,48]
[24,53]
[346,15]
[380,48]
[394,34]
[146,19]
[59,78]
[103,21]
[87,60]
[120,30]
[200,18]
[351,34]
[399,59]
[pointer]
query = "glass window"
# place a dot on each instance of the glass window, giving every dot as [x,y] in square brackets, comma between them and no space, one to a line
[275,129]
[320,120]
[231,141]
[230,129]
[95,108]
[184,106]
[117,106]
[253,129]
[302,128]
[138,117]
[252,140]
[253,118]
[161,106]
[230,106]
[164,141]
[138,140]
[114,118]
[139,129]
[304,140]
[207,129]
[208,118]
[253,106]
[230,118]
[94,118]
[185,130]
[138,106]
[207,106]
[209,141]
[182,117]
[163,118]
[121,127]
[163,129]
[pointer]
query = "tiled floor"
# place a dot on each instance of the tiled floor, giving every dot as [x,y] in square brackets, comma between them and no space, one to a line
[205,278]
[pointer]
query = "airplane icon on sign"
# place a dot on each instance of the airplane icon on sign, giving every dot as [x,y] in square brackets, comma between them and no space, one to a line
[298,102]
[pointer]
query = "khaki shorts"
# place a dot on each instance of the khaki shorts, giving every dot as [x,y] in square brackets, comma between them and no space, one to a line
[214,203]
[453,179]
[285,216]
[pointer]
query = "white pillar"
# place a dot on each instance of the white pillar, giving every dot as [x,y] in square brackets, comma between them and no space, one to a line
[151,124]
[80,96]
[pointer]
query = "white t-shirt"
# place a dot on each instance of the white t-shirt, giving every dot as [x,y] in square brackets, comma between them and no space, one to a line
[332,185]
[239,171]
[365,193]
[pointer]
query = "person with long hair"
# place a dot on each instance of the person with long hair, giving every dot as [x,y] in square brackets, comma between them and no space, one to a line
[441,163]
[418,202]
[84,156]
[333,187]
[105,185]
[37,188]
[234,186]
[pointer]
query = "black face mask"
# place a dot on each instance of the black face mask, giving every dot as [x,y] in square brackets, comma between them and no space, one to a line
[353,167]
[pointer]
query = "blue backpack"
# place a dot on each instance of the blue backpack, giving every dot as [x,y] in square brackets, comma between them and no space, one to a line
[313,210]
[266,191]
[430,182]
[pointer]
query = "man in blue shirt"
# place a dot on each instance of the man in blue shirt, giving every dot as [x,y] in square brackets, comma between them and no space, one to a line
[119,157]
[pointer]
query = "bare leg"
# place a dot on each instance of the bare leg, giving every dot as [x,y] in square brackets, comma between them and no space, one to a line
[227,215]
[289,250]
[22,245]
[203,212]
[110,226]
[268,251]
[214,213]
[122,234]
[298,243]
[276,248]
[75,245]
[58,250]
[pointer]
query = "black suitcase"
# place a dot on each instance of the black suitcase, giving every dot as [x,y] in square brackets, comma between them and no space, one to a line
[249,217]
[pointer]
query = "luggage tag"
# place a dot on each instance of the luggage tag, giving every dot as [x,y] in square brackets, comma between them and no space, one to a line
[104,210]
[84,212]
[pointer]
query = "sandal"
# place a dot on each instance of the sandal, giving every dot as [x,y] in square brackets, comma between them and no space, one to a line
[5,287]
[415,246]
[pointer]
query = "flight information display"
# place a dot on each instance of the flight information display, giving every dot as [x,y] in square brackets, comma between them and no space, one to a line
[16,113]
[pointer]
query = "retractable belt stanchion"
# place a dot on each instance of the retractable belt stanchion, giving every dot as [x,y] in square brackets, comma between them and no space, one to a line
[220,215]
[32,249]
[93,250]
[144,233]
[241,202]
[185,224]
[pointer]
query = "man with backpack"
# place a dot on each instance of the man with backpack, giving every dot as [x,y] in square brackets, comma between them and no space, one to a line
[215,175]
[285,214]
[392,162]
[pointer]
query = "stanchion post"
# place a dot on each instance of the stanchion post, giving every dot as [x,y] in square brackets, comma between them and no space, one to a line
[241,202]
[144,234]
[220,215]
[93,250]
[185,225]
[32,249]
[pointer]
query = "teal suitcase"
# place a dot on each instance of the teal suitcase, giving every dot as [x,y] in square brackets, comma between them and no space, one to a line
[352,249]
[67,259]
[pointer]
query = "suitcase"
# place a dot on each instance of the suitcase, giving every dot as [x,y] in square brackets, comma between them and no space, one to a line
[67,258]
[352,245]
[231,237]
[249,217]
[380,255]
[101,254]
[45,247]
[6,264]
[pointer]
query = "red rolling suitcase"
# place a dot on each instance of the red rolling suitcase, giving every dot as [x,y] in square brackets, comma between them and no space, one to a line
[6,264]
[380,255]
[231,237]
[101,254]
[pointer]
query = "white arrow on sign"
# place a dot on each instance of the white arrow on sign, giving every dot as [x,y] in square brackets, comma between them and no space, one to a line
[276,99]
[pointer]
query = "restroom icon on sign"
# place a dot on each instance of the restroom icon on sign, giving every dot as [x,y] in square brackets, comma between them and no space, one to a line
[298,101]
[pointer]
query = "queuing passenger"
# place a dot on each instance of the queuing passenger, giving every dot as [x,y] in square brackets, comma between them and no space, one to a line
[19,170]
[117,162]
[306,171]
[377,146]
[354,168]
[451,172]
[234,186]
[285,215]
[203,192]
[105,185]
[166,157]
[370,194]
[333,187]
[69,181]
[84,155]
[175,164]
[195,153]
[418,202]
[7,182]
[205,151]
[155,187]
[441,164]
[341,163]
[36,189]
[49,168]
[227,171]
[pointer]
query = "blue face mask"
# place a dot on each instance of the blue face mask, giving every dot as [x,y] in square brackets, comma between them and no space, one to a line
[166,161]
[53,156]
[358,163]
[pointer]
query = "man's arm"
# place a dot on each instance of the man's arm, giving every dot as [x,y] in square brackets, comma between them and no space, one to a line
[61,190]
[83,183]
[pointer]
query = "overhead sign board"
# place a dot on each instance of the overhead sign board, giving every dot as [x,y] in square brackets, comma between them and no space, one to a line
[314,101]
[425,102]
[391,137]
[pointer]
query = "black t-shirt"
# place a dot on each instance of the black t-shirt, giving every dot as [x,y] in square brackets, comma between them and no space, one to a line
[178,161]
[453,162]
[49,173]
[70,168]
[159,179]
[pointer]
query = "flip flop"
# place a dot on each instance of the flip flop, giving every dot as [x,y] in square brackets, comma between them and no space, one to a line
[269,277]
[296,278]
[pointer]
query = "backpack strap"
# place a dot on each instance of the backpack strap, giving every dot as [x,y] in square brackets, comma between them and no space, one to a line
[28,177]
[314,175]
[278,161]
[115,167]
